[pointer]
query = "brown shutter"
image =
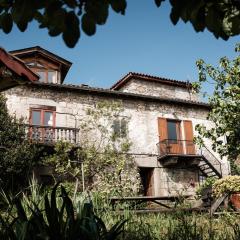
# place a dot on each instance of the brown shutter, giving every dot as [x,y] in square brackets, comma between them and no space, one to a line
[188,130]
[162,129]
[162,132]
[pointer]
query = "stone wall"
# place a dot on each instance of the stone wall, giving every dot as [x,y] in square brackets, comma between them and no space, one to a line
[159,90]
[142,128]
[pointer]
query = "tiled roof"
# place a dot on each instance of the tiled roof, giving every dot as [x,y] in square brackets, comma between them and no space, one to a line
[18,67]
[145,77]
[64,64]
[41,50]
[117,94]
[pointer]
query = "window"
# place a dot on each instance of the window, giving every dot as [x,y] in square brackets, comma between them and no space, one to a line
[42,123]
[36,117]
[52,76]
[120,127]
[42,76]
[48,76]
[173,131]
[42,117]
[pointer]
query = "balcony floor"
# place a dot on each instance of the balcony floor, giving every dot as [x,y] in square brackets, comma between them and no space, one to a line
[179,159]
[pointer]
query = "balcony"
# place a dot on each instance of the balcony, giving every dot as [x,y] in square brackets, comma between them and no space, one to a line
[50,135]
[173,152]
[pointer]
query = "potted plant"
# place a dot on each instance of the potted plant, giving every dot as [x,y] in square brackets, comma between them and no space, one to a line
[230,185]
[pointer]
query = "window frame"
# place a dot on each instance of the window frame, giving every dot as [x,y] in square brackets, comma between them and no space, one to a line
[46,74]
[123,128]
[42,114]
[178,129]
[45,69]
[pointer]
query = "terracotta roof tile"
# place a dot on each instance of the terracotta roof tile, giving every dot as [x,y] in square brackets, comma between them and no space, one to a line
[145,77]
[120,95]
[18,67]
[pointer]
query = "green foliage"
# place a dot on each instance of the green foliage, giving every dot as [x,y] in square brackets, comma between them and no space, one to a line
[219,17]
[40,215]
[66,17]
[63,160]
[69,17]
[57,222]
[208,183]
[17,156]
[107,165]
[228,184]
[184,228]
[224,103]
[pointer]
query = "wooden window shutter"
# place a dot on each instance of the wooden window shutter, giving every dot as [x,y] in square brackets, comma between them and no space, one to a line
[162,129]
[188,130]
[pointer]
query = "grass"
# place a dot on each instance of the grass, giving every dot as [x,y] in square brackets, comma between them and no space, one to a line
[161,226]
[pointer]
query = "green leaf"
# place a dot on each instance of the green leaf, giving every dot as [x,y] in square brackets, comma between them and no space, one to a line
[88,25]
[72,31]
[22,25]
[20,210]
[174,16]
[23,12]
[213,20]
[6,22]
[119,6]
[158,2]
[101,13]
[57,22]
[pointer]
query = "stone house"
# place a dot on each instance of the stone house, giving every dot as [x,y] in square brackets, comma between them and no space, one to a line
[163,114]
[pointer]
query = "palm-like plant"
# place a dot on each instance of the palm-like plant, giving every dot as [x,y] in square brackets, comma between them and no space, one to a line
[57,221]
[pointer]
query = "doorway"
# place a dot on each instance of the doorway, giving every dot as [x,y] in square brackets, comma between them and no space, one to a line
[147,180]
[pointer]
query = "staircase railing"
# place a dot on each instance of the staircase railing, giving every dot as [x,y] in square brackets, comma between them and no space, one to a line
[211,160]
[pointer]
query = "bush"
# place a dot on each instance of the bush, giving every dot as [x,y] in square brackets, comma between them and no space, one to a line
[208,183]
[228,184]
[17,155]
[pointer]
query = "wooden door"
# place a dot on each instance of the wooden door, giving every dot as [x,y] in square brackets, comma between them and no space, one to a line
[170,136]
[175,144]
[147,181]
[189,144]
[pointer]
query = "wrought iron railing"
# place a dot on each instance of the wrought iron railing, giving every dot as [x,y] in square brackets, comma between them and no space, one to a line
[48,134]
[172,146]
[185,147]
[211,160]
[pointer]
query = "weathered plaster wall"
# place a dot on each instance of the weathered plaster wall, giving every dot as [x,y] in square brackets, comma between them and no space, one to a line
[158,89]
[142,128]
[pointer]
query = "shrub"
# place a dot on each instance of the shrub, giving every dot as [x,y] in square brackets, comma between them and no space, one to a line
[228,184]
[206,184]
[17,155]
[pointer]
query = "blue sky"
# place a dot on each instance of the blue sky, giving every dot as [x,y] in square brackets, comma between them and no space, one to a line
[144,40]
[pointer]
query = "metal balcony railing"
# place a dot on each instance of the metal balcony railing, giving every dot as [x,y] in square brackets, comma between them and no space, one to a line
[172,146]
[209,163]
[50,135]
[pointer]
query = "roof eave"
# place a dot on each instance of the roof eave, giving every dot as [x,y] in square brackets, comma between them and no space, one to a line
[125,95]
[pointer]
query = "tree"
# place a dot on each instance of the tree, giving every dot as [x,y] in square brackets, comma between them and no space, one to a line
[69,17]
[17,156]
[224,103]
[108,168]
